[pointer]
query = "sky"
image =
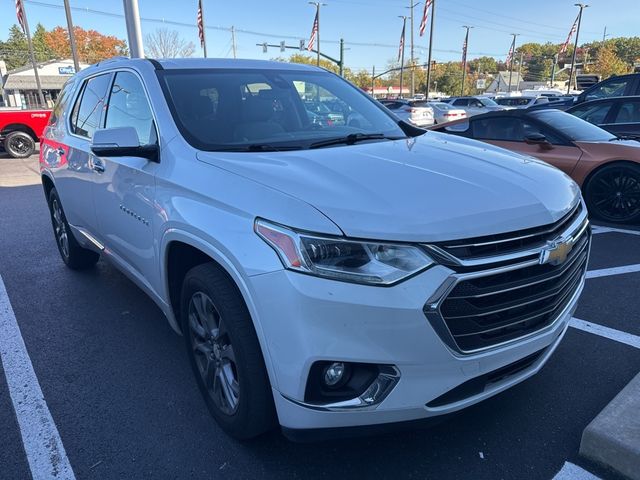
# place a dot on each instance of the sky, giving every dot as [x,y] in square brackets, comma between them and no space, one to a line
[371,28]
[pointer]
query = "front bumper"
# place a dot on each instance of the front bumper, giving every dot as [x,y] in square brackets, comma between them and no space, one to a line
[306,319]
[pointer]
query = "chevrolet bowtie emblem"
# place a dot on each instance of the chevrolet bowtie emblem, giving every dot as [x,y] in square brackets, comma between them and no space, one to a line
[555,252]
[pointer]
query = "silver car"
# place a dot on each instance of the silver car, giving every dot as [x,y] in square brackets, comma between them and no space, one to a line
[521,102]
[475,105]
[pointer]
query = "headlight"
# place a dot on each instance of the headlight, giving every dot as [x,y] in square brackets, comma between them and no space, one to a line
[362,262]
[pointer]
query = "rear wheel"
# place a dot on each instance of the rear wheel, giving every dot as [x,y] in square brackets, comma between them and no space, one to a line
[19,144]
[225,354]
[613,193]
[73,255]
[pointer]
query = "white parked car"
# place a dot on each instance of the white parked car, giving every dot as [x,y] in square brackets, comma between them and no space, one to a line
[417,112]
[521,101]
[322,276]
[475,105]
[443,112]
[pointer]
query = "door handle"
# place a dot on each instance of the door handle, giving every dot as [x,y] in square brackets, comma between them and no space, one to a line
[97,165]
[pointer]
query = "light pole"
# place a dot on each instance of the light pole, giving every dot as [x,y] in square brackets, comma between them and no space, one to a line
[72,36]
[413,72]
[464,57]
[132,19]
[402,42]
[513,52]
[318,5]
[582,6]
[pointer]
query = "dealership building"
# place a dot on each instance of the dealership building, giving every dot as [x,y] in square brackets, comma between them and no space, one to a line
[20,89]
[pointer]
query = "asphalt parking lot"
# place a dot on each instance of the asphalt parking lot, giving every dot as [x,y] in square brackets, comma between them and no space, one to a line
[119,389]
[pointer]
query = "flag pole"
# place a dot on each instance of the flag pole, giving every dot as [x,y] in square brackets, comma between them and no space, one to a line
[575,47]
[201,30]
[433,16]
[402,42]
[72,36]
[25,26]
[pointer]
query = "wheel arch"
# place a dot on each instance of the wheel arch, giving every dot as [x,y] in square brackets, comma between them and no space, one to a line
[19,127]
[47,185]
[601,167]
[181,251]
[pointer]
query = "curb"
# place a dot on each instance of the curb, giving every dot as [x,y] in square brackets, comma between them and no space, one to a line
[612,439]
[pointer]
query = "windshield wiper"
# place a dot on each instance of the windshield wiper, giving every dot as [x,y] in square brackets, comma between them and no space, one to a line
[625,137]
[259,147]
[353,138]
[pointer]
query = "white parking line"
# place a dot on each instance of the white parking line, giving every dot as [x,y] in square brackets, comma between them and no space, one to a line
[42,444]
[605,272]
[598,229]
[610,333]
[569,471]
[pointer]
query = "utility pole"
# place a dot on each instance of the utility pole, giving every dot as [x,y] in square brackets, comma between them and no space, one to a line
[134,35]
[520,70]
[582,6]
[341,66]
[513,52]
[33,58]
[429,64]
[412,50]
[373,81]
[464,57]
[318,5]
[553,69]
[402,40]
[72,36]
[233,42]
[605,34]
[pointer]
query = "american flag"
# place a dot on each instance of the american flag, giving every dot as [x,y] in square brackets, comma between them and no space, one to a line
[425,15]
[401,49]
[565,45]
[314,34]
[509,55]
[20,14]
[200,23]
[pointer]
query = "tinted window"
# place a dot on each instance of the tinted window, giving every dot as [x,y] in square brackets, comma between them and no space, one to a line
[610,88]
[573,127]
[274,108]
[629,112]
[129,107]
[461,102]
[87,112]
[593,113]
[498,128]
[487,102]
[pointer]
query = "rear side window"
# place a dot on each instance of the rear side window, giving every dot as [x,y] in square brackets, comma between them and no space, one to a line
[129,107]
[461,102]
[87,112]
[629,112]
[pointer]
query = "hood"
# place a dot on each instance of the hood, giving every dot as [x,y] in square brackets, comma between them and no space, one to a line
[431,188]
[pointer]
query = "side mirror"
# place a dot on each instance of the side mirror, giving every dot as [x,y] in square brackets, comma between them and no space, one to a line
[121,142]
[537,139]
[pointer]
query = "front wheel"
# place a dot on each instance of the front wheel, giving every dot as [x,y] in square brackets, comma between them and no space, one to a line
[19,144]
[225,354]
[613,193]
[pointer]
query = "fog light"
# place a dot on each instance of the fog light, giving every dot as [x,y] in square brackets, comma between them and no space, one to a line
[333,374]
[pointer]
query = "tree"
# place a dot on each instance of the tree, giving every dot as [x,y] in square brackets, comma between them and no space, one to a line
[41,51]
[92,46]
[362,79]
[165,43]
[608,63]
[15,51]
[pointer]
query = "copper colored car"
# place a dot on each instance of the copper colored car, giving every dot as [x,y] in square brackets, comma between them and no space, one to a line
[606,167]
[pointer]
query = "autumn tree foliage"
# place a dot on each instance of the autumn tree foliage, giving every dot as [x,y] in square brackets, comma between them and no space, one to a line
[92,45]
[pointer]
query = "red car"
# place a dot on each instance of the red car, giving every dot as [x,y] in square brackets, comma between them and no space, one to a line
[606,167]
[21,129]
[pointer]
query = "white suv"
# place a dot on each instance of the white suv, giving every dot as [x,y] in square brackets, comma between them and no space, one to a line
[322,275]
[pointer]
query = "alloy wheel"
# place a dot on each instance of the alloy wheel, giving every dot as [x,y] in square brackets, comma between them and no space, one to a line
[18,145]
[616,194]
[213,353]
[60,228]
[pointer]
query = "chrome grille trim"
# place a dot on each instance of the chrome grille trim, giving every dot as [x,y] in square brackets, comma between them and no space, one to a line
[531,320]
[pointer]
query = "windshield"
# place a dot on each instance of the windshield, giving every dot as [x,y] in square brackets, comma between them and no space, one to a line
[441,105]
[514,102]
[574,127]
[241,109]
[487,102]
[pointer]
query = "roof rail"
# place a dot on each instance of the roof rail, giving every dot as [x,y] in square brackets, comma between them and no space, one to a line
[155,63]
[109,60]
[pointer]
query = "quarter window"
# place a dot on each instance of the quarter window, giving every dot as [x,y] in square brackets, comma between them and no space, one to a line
[129,107]
[593,113]
[87,112]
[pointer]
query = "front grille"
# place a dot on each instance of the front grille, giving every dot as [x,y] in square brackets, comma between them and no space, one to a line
[491,304]
[505,243]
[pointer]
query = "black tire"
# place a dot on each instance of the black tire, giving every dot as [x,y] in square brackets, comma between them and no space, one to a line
[19,144]
[223,350]
[613,193]
[73,255]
